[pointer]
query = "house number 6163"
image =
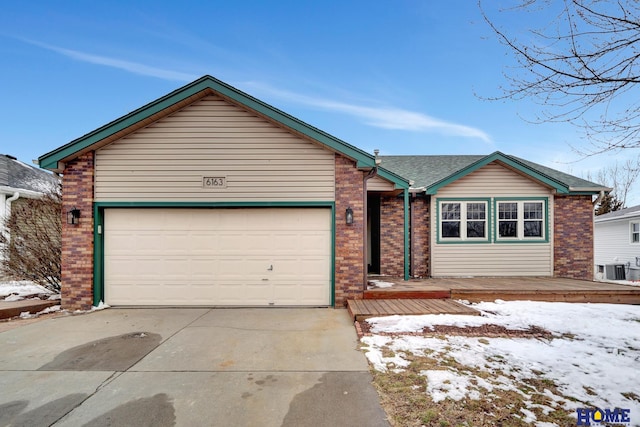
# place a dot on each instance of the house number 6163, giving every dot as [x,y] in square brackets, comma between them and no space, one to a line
[214,182]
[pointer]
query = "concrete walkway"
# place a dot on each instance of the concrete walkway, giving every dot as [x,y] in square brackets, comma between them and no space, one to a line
[186,367]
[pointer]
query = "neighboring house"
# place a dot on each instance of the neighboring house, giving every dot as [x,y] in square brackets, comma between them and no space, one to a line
[617,245]
[20,181]
[208,196]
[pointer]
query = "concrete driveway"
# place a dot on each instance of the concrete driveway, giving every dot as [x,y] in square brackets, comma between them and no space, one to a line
[191,367]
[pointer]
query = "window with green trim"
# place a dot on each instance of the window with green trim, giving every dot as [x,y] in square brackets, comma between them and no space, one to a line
[460,220]
[521,220]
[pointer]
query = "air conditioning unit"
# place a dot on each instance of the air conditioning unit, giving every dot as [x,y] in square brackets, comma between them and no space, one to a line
[614,272]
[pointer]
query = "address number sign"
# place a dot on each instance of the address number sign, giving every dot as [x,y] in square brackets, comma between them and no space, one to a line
[214,182]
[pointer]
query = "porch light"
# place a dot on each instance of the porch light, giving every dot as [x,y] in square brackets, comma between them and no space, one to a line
[73,216]
[349,216]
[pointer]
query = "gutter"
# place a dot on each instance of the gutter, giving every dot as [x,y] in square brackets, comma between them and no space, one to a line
[589,189]
[634,214]
[12,191]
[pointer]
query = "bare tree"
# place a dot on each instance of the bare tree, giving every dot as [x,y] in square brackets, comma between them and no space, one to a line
[32,247]
[582,65]
[621,176]
[609,203]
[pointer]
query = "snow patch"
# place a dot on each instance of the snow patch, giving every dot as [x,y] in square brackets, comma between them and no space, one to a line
[100,306]
[443,385]
[21,288]
[52,309]
[591,342]
[380,284]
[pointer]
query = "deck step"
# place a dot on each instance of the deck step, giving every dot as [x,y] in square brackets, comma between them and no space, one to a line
[365,308]
[476,289]
[630,296]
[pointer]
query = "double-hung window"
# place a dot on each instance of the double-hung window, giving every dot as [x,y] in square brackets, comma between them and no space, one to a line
[463,221]
[635,232]
[521,220]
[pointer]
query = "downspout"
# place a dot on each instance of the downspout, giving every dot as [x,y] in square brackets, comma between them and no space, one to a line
[8,202]
[406,234]
[373,172]
[593,219]
[412,267]
[599,198]
[7,212]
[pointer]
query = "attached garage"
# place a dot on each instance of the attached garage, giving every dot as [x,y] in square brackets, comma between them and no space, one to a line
[217,257]
[208,196]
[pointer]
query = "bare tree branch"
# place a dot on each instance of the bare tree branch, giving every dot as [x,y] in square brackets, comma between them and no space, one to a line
[32,247]
[581,67]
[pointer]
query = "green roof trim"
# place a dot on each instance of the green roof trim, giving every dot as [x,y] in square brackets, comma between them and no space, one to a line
[51,159]
[436,171]
[498,156]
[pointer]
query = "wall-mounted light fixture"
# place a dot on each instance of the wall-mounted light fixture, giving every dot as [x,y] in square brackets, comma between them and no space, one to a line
[349,216]
[73,216]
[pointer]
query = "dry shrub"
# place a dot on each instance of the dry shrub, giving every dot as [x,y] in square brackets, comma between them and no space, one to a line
[31,247]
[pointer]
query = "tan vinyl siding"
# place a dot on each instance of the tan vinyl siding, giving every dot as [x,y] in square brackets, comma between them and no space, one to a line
[496,181]
[379,184]
[167,160]
[493,259]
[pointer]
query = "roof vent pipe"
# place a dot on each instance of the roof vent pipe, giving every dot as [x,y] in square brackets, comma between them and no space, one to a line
[376,152]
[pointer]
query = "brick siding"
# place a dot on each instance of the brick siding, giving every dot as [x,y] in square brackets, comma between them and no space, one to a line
[349,262]
[421,226]
[77,240]
[573,237]
[392,236]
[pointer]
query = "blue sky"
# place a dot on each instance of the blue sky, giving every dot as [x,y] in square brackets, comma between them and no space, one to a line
[401,76]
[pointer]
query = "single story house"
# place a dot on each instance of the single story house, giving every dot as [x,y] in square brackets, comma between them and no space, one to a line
[209,196]
[617,245]
[20,181]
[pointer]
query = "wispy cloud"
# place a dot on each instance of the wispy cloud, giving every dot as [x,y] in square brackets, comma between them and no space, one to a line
[132,67]
[382,117]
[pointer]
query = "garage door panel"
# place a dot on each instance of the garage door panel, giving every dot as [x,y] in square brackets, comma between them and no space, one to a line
[242,293]
[217,256]
[292,267]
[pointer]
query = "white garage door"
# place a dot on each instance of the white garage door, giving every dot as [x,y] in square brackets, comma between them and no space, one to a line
[231,257]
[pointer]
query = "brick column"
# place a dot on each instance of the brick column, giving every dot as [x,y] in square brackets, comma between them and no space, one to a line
[77,240]
[349,238]
[420,233]
[392,236]
[573,237]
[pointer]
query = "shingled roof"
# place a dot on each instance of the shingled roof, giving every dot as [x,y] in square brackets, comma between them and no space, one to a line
[16,175]
[633,211]
[433,172]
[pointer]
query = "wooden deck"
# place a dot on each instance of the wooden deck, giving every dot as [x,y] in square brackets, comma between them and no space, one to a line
[508,289]
[362,309]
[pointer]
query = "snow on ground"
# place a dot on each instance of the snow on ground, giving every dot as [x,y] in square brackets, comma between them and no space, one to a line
[380,284]
[594,356]
[27,315]
[21,288]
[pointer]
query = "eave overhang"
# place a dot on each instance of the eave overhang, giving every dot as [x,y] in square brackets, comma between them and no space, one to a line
[55,159]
